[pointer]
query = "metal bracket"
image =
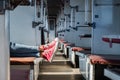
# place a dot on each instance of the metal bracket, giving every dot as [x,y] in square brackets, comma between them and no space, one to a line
[41,28]
[68,30]
[63,30]
[34,24]
[74,28]
[45,30]
[92,25]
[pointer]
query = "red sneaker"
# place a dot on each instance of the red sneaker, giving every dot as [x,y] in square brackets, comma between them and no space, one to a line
[48,54]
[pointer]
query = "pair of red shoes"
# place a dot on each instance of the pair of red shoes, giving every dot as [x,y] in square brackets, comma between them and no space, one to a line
[49,50]
[47,46]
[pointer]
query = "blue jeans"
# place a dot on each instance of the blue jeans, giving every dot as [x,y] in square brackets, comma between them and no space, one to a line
[21,50]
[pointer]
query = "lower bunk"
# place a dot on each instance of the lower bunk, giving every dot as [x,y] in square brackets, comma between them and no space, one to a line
[25,57]
[22,64]
[17,74]
[93,67]
[99,63]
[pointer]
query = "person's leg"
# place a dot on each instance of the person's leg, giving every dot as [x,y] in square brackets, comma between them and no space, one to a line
[21,48]
[25,54]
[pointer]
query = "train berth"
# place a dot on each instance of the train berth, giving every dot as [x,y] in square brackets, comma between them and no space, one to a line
[105,59]
[83,63]
[31,64]
[66,48]
[97,64]
[77,49]
[74,58]
[16,74]
[61,45]
[59,39]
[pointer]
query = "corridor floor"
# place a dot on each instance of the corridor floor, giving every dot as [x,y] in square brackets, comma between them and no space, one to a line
[58,69]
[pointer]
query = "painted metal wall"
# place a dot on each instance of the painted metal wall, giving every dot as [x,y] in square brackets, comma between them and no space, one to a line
[85,41]
[4,47]
[82,16]
[21,30]
[107,18]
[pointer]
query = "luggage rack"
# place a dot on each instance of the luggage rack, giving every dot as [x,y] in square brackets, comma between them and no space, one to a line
[12,4]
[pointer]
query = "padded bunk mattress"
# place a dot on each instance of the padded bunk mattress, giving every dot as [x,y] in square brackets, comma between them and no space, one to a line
[26,63]
[24,60]
[105,59]
[80,49]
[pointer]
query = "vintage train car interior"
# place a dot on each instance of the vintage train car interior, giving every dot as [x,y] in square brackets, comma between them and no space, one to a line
[60,39]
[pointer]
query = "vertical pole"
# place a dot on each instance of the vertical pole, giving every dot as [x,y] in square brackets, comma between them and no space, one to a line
[92,20]
[65,22]
[44,17]
[35,15]
[46,20]
[42,36]
[73,17]
[41,14]
[35,7]
[42,29]
[4,49]
[86,11]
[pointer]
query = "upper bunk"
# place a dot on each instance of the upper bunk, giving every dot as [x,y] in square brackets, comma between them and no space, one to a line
[12,4]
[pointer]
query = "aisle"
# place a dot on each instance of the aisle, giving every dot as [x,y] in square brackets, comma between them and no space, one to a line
[59,69]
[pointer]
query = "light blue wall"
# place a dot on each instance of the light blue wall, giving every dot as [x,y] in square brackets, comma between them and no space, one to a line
[80,17]
[21,30]
[107,23]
